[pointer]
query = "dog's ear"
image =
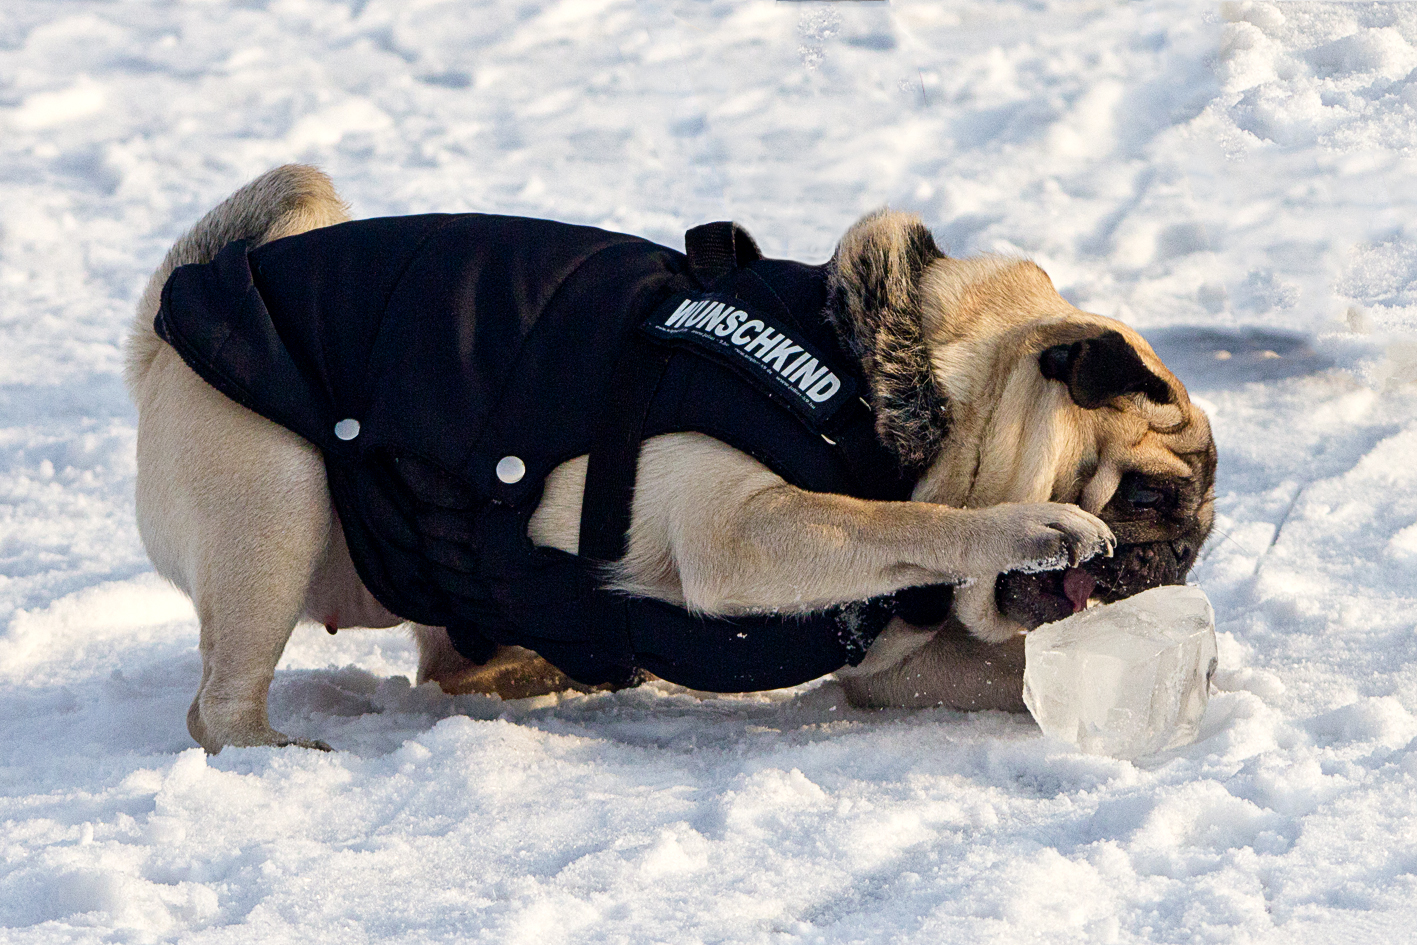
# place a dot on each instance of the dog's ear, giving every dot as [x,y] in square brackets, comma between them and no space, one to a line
[874,305]
[1097,370]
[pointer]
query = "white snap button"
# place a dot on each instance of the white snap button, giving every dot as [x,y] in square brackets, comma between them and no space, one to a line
[347,429]
[510,469]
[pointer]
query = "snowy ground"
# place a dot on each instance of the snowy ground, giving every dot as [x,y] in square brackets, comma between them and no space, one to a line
[1237,181]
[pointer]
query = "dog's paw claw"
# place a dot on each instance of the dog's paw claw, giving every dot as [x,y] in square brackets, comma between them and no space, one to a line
[1050,536]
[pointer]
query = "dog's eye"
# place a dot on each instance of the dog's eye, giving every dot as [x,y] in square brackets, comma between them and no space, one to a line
[1142,494]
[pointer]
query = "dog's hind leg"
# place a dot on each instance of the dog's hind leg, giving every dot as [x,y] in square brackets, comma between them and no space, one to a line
[234,510]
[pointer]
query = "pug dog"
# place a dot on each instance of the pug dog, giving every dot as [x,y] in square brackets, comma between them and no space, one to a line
[1051,460]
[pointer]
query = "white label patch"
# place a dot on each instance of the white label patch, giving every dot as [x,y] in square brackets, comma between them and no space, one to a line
[759,347]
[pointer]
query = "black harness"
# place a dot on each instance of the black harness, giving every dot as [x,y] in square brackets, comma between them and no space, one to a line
[444,365]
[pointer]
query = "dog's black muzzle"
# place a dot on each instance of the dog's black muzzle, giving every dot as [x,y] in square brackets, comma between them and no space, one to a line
[1036,599]
[1140,567]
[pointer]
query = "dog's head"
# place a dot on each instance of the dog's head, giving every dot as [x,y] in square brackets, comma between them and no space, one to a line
[991,388]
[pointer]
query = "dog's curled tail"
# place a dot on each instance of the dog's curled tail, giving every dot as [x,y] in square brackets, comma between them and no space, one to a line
[285,201]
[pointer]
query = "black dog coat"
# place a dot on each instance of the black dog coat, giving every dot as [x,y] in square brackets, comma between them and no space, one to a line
[444,365]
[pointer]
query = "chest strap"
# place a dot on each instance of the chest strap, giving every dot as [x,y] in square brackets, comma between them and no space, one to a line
[715,250]
[615,451]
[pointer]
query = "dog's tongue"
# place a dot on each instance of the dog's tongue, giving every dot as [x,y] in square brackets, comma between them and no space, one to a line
[1078,585]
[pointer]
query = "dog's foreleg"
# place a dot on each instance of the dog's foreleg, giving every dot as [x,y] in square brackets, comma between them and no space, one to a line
[718,532]
[742,539]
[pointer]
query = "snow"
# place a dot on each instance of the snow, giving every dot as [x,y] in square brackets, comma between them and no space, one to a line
[1236,181]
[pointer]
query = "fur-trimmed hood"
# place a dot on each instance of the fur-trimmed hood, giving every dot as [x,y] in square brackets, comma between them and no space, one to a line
[874,303]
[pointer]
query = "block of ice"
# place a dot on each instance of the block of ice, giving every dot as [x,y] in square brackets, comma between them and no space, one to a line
[1124,679]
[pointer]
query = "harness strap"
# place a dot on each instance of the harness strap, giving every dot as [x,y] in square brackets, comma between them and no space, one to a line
[717,249]
[615,451]
[852,429]
[717,252]
[609,496]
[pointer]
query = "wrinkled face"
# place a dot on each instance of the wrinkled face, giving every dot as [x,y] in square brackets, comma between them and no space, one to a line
[1048,403]
[1160,520]
[1152,480]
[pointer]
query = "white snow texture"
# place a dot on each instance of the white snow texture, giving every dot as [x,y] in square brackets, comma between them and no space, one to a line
[1234,180]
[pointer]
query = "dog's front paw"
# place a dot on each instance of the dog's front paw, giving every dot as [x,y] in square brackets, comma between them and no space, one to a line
[1044,536]
[1059,536]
